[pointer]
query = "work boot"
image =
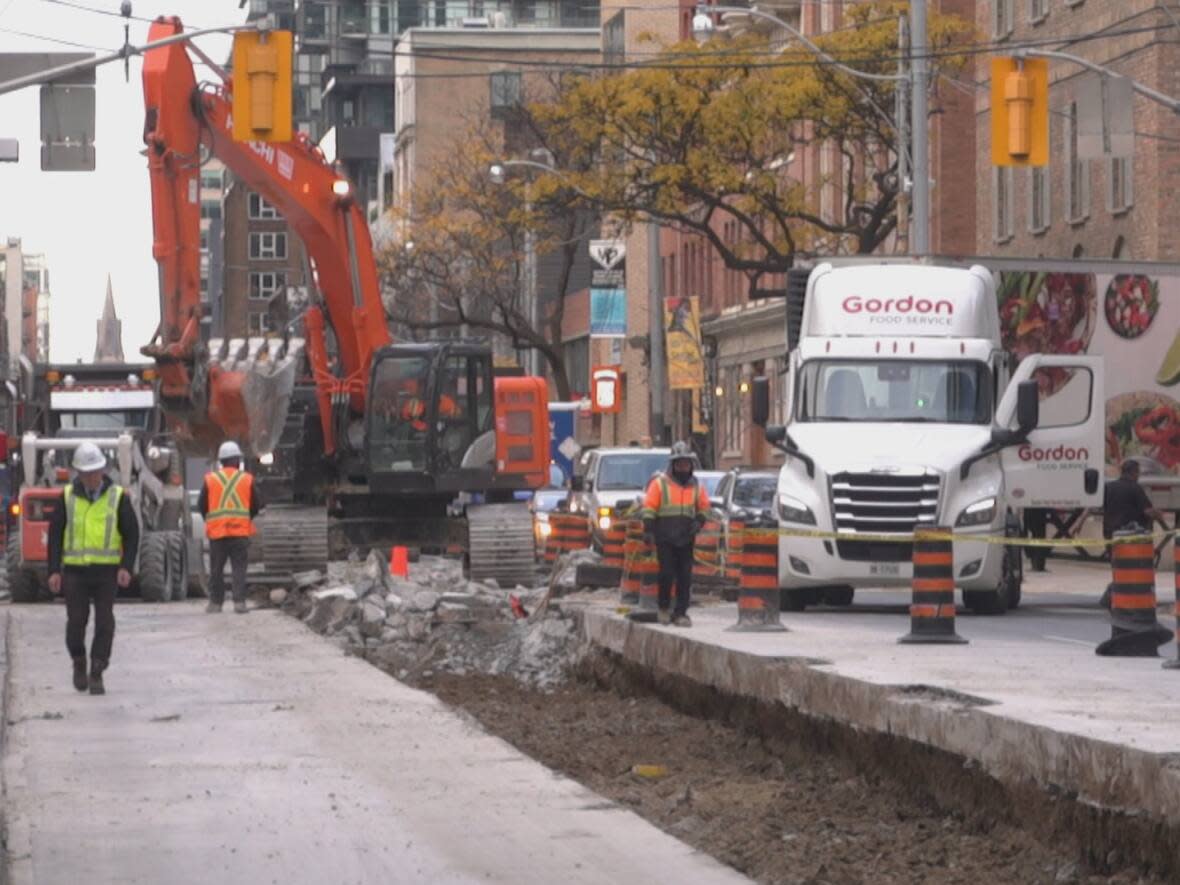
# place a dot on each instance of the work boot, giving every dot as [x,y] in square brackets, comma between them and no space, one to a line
[80,680]
[213,608]
[682,621]
[664,617]
[96,668]
[240,607]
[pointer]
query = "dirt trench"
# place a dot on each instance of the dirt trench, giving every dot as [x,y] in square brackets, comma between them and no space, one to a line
[787,800]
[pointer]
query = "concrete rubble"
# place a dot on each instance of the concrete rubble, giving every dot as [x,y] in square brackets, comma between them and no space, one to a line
[437,621]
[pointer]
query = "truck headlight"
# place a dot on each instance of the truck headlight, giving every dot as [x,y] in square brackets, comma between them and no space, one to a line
[544,529]
[604,514]
[793,510]
[980,513]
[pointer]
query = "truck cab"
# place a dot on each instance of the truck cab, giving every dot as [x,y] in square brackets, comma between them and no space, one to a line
[610,480]
[904,411]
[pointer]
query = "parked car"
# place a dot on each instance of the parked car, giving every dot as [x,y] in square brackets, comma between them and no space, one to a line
[544,502]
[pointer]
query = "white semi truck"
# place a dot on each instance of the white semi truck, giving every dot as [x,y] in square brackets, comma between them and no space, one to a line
[905,410]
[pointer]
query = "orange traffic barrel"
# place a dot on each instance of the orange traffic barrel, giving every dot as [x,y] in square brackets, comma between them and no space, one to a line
[632,549]
[1174,663]
[932,608]
[1135,632]
[613,540]
[758,596]
[647,567]
[568,532]
[706,561]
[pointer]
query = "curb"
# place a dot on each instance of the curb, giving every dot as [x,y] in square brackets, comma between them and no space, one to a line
[1015,753]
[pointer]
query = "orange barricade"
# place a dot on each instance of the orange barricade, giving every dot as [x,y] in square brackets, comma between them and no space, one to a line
[932,610]
[758,599]
[1135,632]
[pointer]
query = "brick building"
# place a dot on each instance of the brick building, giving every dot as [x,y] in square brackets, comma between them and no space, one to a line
[264,264]
[1097,208]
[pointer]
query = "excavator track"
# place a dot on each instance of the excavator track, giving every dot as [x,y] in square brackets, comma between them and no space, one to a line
[500,544]
[292,539]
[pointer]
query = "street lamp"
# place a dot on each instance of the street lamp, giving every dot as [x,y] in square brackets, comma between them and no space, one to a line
[542,159]
[703,28]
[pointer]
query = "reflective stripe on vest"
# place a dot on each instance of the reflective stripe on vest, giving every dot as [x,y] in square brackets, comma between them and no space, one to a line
[687,507]
[92,528]
[229,505]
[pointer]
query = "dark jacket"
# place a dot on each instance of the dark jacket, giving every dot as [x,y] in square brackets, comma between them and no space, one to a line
[128,528]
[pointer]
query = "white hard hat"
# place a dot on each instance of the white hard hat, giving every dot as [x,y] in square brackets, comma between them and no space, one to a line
[88,457]
[229,449]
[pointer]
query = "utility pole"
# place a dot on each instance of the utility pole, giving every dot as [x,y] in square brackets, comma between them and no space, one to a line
[920,78]
[903,134]
[657,370]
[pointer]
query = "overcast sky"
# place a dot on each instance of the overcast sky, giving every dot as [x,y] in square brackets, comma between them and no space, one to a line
[90,223]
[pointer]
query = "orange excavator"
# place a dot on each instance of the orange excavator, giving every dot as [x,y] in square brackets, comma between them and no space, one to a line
[419,444]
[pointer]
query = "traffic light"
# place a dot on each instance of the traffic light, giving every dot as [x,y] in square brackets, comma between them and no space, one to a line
[262,86]
[1020,112]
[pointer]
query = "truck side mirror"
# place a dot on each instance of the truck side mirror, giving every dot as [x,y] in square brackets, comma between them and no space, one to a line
[1028,407]
[577,483]
[776,434]
[760,400]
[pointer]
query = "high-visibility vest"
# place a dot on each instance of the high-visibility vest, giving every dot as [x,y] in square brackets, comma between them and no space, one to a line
[414,411]
[668,500]
[92,528]
[230,493]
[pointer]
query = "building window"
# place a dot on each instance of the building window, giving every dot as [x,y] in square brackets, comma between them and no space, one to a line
[576,354]
[211,179]
[505,90]
[1038,11]
[1003,13]
[1002,188]
[1078,171]
[266,284]
[260,210]
[1039,199]
[1120,191]
[268,245]
[210,209]
[259,323]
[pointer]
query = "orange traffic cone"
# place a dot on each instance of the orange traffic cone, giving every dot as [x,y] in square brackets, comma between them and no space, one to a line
[399,562]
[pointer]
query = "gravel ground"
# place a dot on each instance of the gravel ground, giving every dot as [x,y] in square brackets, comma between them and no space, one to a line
[773,810]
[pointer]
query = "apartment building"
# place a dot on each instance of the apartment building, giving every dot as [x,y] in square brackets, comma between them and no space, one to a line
[1108,207]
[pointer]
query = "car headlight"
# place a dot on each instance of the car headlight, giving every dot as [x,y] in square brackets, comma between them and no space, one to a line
[544,529]
[793,510]
[982,512]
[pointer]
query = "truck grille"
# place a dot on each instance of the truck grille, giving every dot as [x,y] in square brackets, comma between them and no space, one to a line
[882,503]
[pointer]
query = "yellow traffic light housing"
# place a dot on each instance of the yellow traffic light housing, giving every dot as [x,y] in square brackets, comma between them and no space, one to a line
[1020,112]
[262,86]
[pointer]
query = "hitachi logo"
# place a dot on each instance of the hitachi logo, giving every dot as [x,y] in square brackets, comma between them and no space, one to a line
[909,304]
[1060,453]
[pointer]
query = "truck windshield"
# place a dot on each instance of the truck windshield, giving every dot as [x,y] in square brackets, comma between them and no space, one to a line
[121,420]
[630,471]
[895,390]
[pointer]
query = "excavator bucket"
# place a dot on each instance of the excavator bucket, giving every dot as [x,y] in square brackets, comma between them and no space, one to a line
[251,382]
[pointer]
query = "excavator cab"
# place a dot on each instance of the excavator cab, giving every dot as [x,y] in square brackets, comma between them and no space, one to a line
[431,418]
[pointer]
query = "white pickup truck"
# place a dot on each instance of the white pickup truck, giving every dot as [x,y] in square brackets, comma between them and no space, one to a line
[903,411]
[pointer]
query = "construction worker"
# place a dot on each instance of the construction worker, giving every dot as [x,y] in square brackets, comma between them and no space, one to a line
[673,512]
[229,503]
[93,541]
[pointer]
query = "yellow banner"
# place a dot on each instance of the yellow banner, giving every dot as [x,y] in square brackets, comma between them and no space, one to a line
[682,340]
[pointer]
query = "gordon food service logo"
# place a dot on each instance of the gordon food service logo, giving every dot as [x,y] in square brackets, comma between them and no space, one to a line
[1061,454]
[908,310]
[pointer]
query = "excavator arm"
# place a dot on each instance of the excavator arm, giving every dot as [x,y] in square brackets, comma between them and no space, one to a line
[239,392]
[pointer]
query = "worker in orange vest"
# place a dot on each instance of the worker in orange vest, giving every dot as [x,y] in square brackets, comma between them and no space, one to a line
[673,512]
[229,503]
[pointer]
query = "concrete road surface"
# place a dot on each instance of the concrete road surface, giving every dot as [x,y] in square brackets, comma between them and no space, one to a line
[246,749]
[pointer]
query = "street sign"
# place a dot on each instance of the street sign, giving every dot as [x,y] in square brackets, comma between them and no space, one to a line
[1106,125]
[67,128]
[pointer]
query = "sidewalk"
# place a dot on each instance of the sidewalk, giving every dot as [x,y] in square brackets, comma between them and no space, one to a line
[247,749]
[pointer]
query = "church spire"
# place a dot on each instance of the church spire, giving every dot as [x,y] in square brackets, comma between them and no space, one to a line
[109,344]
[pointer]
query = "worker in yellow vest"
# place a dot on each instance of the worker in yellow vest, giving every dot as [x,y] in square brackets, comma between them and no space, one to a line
[229,503]
[673,512]
[93,541]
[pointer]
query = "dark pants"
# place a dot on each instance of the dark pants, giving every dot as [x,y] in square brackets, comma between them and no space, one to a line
[675,568]
[237,551]
[1036,521]
[82,586]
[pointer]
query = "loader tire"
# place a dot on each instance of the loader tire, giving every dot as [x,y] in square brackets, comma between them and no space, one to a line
[22,583]
[155,567]
[178,559]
